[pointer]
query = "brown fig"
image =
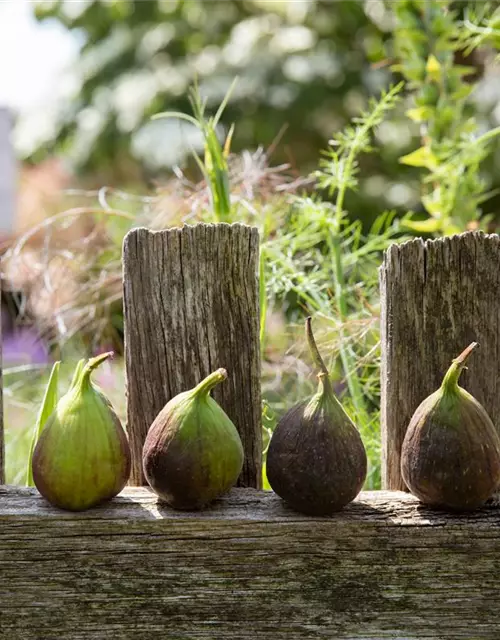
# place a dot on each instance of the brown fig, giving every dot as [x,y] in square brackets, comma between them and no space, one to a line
[451,451]
[316,461]
[193,453]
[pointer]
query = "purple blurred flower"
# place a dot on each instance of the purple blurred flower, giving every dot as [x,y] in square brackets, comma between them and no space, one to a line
[23,346]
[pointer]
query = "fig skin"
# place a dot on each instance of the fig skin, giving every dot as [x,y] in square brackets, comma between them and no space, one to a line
[450,457]
[193,453]
[316,460]
[82,457]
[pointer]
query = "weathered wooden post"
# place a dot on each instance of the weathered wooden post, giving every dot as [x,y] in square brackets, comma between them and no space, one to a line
[192,306]
[436,297]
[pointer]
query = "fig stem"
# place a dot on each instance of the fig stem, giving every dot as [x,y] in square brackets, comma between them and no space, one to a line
[211,381]
[318,360]
[450,380]
[77,373]
[93,363]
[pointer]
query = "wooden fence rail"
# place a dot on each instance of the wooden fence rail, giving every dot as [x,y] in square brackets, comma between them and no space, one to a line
[247,568]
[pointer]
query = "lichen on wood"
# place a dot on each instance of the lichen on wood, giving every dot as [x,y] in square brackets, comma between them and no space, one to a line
[249,567]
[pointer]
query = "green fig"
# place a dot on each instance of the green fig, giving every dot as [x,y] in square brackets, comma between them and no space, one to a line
[192,453]
[450,456]
[316,461]
[82,456]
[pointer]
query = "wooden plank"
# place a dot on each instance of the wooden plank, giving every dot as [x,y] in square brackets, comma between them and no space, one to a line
[437,297]
[249,567]
[191,302]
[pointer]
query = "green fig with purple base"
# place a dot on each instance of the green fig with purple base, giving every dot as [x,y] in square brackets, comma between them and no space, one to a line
[450,457]
[316,461]
[193,454]
[82,457]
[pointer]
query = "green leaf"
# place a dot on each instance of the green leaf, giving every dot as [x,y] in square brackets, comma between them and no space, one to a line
[224,102]
[433,68]
[462,92]
[433,203]
[422,226]
[227,143]
[464,70]
[218,174]
[422,157]
[419,114]
[265,482]
[48,406]
[396,68]
[176,115]
[450,228]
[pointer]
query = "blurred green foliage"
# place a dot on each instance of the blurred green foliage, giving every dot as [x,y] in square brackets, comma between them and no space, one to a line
[428,44]
[309,65]
[304,67]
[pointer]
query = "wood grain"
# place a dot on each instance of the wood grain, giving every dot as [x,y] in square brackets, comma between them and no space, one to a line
[191,305]
[385,567]
[437,297]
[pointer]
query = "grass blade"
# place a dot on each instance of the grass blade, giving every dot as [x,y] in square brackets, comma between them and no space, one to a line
[49,403]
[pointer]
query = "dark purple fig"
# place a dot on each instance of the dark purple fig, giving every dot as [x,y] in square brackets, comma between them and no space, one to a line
[451,452]
[192,453]
[316,461]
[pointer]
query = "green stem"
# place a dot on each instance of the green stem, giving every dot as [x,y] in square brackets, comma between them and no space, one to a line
[211,381]
[77,373]
[343,173]
[348,362]
[325,384]
[450,381]
[326,389]
[262,301]
[488,135]
[318,360]
[92,364]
